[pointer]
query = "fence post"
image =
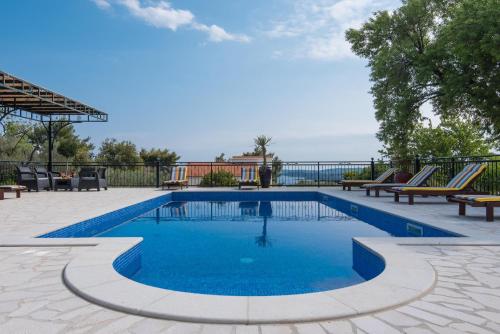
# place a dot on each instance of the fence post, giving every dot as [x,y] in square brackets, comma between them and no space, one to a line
[452,170]
[372,168]
[211,175]
[417,164]
[318,174]
[157,165]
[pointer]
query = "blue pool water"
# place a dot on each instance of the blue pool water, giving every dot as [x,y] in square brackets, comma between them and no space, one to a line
[257,245]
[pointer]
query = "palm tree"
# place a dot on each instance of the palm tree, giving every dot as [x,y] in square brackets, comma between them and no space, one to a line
[262,240]
[265,211]
[261,144]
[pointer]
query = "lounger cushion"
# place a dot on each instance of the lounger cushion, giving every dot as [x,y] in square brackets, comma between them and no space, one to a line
[385,185]
[479,198]
[425,189]
[361,181]
[462,179]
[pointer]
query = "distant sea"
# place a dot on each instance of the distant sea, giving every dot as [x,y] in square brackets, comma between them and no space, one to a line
[293,176]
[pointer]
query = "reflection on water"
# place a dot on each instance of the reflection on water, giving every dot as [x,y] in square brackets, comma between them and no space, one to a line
[242,211]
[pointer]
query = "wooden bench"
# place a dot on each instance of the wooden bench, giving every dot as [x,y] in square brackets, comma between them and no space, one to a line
[9,189]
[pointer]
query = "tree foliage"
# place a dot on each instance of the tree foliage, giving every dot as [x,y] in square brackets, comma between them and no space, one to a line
[452,137]
[439,52]
[72,147]
[150,157]
[220,158]
[117,152]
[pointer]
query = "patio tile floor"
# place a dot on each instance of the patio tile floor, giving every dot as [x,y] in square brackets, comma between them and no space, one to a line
[33,298]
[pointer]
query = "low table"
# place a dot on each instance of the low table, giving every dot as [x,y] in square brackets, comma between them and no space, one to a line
[65,183]
[11,188]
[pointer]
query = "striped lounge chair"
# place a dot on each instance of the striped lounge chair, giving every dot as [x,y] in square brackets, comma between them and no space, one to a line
[384,177]
[487,201]
[461,184]
[249,177]
[178,178]
[418,180]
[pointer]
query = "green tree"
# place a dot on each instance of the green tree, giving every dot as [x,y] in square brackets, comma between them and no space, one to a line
[262,142]
[220,158]
[421,54]
[118,153]
[453,137]
[13,142]
[72,147]
[164,156]
[277,168]
[467,52]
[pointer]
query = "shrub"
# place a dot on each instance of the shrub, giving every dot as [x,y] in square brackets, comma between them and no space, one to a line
[220,178]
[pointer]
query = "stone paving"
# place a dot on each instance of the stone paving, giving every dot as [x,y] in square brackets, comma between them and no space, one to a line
[466,299]
[33,298]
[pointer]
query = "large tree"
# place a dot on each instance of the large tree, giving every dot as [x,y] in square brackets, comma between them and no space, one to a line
[117,153]
[153,155]
[72,147]
[422,54]
[452,137]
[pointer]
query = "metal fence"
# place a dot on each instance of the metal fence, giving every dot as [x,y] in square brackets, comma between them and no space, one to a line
[286,173]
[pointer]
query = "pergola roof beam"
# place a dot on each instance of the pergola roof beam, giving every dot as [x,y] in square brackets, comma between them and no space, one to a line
[20,94]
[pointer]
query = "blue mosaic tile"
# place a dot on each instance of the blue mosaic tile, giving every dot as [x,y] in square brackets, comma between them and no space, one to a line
[129,262]
[94,226]
[366,262]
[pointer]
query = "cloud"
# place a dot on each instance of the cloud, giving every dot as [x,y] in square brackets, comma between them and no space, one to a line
[217,34]
[319,25]
[103,4]
[162,15]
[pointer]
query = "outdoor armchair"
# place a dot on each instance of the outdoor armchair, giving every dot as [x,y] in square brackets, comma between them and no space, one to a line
[31,180]
[461,184]
[52,176]
[418,180]
[383,178]
[92,178]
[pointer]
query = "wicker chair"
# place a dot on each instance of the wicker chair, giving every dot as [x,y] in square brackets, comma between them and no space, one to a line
[90,178]
[31,180]
[52,176]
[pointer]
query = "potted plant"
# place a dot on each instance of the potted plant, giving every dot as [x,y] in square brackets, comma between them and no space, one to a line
[403,174]
[265,172]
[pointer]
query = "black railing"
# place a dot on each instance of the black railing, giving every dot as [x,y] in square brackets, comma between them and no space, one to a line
[286,173]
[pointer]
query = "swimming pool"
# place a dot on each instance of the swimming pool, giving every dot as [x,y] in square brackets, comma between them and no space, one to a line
[250,244]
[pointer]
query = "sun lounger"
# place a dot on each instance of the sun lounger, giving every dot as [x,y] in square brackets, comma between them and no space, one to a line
[461,184]
[384,177]
[418,180]
[178,178]
[249,177]
[487,201]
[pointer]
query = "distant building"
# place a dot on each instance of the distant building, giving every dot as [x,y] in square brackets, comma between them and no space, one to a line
[253,159]
[233,165]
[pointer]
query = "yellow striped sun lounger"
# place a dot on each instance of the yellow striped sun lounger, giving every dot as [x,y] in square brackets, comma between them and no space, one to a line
[418,180]
[383,178]
[461,184]
[487,201]
[178,178]
[249,177]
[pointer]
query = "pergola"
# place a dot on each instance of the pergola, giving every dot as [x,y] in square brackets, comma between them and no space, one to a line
[23,99]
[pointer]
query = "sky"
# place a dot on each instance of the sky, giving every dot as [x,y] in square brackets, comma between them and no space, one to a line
[203,77]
